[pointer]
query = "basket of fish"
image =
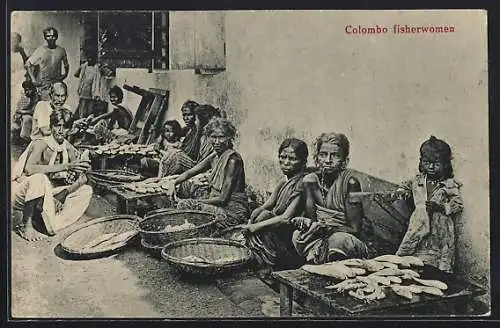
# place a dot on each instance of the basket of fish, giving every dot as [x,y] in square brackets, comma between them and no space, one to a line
[375,279]
[207,256]
[164,226]
[101,237]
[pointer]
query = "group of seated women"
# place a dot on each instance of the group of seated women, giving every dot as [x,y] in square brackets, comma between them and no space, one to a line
[307,218]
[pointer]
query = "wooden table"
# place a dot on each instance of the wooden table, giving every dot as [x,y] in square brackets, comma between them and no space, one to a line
[127,199]
[309,287]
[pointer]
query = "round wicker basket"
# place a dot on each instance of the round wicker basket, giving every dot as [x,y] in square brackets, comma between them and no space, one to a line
[76,243]
[152,228]
[220,256]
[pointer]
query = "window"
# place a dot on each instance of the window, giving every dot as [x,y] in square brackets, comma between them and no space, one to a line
[156,40]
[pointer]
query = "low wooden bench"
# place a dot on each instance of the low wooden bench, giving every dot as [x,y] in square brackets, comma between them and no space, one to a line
[310,290]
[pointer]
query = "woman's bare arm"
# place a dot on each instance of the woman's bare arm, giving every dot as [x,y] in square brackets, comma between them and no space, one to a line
[202,166]
[353,209]
[292,211]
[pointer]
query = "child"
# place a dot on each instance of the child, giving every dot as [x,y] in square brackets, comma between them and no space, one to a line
[119,117]
[437,200]
[88,89]
[23,116]
[168,141]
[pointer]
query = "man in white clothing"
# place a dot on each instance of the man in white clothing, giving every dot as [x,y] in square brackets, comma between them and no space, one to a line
[51,177]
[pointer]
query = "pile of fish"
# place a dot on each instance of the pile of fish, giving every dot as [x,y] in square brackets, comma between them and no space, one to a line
[109,240]
[150,185]
[126,149]
[185,226]
[368,280]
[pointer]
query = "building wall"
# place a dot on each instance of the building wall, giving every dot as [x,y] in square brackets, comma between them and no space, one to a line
[298,74]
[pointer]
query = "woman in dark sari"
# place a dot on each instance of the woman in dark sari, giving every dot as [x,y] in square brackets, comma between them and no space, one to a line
[226,198]
[269,232]
[330,231]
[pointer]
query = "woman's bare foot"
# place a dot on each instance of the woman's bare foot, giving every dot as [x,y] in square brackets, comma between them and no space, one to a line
[29,233]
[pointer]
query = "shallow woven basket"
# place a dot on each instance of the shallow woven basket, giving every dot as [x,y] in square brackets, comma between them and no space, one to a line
[154,223]
[75,242]
[208,248]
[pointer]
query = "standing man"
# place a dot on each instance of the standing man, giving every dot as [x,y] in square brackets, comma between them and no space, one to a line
[50,59]
[58,93]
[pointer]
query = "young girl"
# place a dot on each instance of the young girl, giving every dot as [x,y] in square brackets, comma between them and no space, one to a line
[436,199]
[167,142]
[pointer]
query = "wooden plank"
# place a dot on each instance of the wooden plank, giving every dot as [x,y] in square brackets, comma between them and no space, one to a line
[160,117]
[286,300]
[181,40]
[153,111]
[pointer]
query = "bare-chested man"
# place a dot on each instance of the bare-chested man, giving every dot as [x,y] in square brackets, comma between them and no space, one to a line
[52,179]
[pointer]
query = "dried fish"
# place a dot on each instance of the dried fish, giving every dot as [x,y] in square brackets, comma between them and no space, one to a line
[98,240]
[381,280]
[353,263]
[402,291]
[395,279]
[118,238]
[415,289]
[389,265]
[347,284]
[388,272]
[432,283]
[358,271]
[409,274]
[389,258]
[334,270]
[431,290]
[373,266]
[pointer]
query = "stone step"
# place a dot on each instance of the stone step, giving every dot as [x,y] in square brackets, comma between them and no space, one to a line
[255,297]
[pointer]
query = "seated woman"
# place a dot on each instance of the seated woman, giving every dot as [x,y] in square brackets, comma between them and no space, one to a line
[269,232]
[227,197]
[167,144]
[330,232]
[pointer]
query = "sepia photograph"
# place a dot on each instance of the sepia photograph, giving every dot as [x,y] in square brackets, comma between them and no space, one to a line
[249,164]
